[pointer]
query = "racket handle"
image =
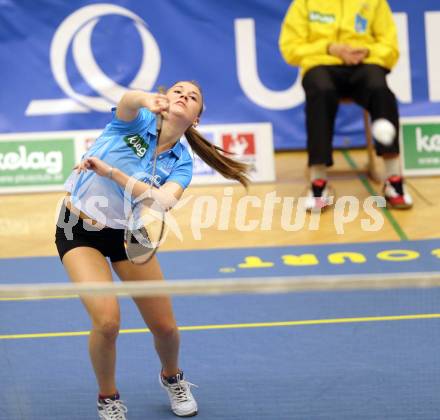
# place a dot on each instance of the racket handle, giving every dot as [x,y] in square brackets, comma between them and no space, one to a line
[159,117]
[159,120]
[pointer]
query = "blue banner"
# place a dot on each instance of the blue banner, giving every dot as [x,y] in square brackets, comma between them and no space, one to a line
[64,64]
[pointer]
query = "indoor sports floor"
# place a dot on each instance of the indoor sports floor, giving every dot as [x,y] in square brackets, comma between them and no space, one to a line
[334,355]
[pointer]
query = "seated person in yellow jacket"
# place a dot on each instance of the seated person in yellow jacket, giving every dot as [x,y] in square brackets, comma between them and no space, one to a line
[345,49]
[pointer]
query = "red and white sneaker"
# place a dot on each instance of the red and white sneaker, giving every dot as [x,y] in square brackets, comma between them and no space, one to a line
[396,193]
[319,196]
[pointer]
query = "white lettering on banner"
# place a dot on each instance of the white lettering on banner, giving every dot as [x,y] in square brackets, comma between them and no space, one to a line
[432,29]
[247,72]
[52,161]
[426,143]
[77,30]
[400,77]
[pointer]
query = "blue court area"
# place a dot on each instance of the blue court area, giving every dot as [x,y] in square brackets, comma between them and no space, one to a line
[333,355]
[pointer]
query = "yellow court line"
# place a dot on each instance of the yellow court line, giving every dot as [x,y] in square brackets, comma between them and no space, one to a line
[238,326]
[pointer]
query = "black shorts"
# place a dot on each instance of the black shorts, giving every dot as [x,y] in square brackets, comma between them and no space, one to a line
[73,232]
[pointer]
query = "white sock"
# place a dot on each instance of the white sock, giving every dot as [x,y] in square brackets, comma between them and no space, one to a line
[392,167]
[318,172]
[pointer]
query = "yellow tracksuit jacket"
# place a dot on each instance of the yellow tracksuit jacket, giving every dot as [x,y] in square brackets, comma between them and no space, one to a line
[311,25]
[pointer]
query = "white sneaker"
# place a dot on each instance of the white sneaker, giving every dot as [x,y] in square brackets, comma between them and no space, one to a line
[319,196]
[396,194]
[109,409]
[182,401]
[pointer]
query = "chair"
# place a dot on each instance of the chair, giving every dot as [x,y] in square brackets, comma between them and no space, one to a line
[372,165]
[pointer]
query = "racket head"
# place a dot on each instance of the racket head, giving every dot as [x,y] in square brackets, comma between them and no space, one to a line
[144,231]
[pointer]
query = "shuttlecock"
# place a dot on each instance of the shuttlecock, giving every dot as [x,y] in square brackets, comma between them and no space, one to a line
[383,131]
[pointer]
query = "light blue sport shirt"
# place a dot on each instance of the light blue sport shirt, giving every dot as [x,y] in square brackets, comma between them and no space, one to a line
[130,147]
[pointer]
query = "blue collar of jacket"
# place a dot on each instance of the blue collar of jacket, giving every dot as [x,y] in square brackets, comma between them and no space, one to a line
[176,150]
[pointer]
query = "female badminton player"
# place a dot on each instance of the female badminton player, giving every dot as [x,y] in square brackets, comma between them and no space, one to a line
[95,209]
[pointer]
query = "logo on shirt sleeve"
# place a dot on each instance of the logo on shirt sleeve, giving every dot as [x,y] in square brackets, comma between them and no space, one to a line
[137,144]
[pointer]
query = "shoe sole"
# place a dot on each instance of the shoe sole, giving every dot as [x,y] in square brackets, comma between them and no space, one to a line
[399,206]
[187,415]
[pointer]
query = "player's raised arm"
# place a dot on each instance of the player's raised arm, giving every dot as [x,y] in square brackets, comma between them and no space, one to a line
[129,105]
